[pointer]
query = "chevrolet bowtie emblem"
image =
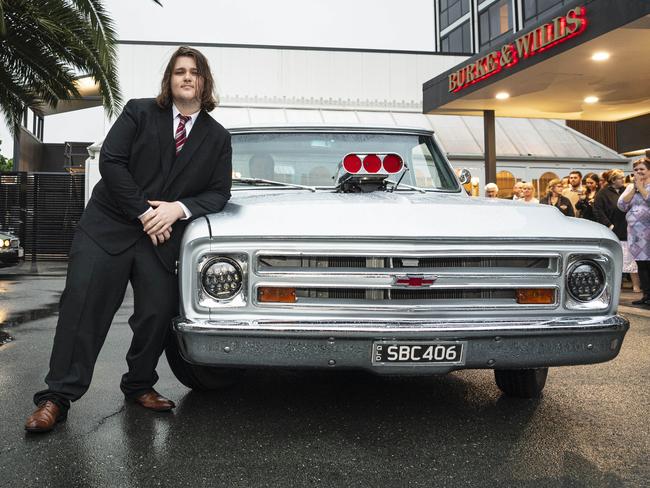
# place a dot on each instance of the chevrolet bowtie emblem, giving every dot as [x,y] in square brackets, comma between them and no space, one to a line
[414,281]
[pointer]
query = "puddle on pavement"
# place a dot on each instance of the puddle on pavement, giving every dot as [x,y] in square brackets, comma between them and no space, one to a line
[19,318]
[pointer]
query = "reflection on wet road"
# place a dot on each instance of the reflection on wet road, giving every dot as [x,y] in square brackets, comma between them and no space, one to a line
[28,315]
[28,293]
[13,320]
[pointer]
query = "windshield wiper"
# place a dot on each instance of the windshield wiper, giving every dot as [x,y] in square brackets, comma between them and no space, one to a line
[398,182]
[255,181]
[395,183]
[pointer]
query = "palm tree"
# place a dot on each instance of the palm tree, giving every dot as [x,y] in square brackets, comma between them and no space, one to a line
[45,45]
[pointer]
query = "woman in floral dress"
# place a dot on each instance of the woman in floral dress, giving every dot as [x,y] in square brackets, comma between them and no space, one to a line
[635,201]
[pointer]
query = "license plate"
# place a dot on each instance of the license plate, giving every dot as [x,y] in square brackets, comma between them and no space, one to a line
[418,353]
[21,253]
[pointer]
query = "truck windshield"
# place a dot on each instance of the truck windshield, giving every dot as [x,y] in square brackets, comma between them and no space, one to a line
[312,158]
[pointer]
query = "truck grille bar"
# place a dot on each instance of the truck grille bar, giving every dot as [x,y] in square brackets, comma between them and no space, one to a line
[396,294]
[323,263]
[471,280]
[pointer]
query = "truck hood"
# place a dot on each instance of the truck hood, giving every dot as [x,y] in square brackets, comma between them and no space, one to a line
[299,213]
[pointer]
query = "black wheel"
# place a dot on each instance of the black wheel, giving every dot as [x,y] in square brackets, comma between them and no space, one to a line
[521,383]
[195,376]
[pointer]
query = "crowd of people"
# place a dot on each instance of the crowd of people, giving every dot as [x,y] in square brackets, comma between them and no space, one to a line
[618,202]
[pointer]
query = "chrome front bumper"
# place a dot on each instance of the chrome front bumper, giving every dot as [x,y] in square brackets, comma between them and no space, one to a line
[490,344]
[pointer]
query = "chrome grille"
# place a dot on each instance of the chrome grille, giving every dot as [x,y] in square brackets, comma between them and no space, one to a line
[472,262]
[398,294]
[441,278]
[309,262]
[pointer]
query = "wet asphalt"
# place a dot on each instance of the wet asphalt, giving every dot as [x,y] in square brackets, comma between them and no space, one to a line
[591,428]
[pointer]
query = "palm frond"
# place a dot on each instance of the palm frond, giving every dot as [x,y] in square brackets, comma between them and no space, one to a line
[12,98]
[47,43]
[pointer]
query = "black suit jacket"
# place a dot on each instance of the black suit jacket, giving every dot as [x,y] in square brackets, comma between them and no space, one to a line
[138,162]
[563,204]
[607,212]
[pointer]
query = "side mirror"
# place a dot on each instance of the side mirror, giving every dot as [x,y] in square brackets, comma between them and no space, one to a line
[465,176]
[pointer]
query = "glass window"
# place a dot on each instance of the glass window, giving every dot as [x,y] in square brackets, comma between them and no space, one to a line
[444,20]
[544,180]
[495,21]
[458,40]
[467,38]
[533,9]
[484,28]
[530,8]
[451,11]
[307,158]
[543,5]
[505,182]
[505,18]
[455,12]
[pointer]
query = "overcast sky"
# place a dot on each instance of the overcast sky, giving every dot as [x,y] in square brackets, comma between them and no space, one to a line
[405,25]
[374,24]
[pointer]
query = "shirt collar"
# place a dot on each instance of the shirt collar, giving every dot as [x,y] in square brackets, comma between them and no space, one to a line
[175,112]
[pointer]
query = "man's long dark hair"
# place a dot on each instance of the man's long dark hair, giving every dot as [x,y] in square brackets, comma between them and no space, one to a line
[206,85]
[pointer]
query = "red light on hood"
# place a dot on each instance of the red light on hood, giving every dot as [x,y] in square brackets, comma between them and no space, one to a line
[372,163]
[393,163]
[352,163]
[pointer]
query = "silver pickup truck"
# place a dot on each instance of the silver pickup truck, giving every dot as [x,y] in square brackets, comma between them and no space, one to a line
[353,247]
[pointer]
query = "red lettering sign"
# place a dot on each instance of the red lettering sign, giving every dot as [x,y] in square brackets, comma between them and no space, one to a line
[536,41]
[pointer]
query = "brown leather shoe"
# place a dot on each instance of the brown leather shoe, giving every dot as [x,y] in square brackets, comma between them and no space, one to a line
[45,417]
[154,401]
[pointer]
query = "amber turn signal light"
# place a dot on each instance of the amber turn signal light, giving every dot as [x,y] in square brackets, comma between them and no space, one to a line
[268,294]
[543,296]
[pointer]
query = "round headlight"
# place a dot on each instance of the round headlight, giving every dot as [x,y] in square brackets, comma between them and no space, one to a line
[6,243]
[222,278]
[585,281]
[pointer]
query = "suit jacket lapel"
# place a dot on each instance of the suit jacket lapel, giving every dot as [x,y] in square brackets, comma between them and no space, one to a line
[194,140]
[166,140]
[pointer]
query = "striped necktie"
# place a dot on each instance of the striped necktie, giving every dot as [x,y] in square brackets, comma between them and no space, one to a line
[181,134]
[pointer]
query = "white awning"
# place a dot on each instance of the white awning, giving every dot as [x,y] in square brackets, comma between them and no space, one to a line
[459,136]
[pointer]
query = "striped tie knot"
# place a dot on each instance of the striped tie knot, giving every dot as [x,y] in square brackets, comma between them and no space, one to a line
[181,133]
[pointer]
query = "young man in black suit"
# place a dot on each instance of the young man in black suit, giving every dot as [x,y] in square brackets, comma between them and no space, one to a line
[164,161]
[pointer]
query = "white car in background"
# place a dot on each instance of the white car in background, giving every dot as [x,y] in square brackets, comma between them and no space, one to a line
[10,251]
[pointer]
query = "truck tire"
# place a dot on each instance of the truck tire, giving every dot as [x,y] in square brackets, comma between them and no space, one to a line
[196,377]
[521,383]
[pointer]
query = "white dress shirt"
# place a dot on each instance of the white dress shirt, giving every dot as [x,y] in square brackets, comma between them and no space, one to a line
[188,125]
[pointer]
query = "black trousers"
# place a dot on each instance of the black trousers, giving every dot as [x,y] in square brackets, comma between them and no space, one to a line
[644,276]
[95,286]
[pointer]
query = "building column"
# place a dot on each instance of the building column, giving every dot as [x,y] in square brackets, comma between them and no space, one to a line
[17,150]
[490,145]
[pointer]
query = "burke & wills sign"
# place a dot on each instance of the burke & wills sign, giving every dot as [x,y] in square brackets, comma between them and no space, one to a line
[544,37]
